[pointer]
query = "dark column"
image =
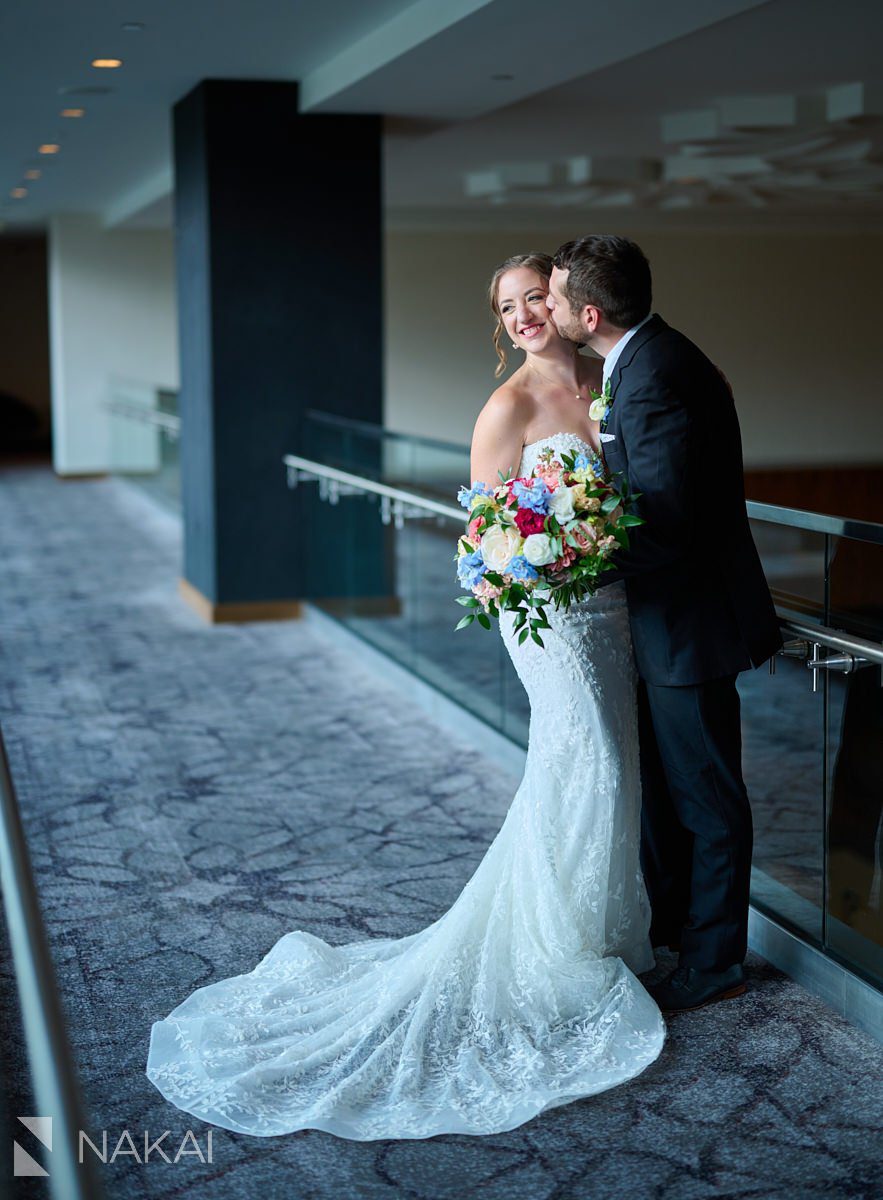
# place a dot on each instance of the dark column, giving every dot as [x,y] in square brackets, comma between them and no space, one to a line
[279,261]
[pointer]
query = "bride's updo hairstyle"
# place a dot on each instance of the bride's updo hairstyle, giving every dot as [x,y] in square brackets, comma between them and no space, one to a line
[542,264]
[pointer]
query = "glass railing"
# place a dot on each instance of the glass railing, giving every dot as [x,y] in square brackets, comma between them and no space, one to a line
[812,737]
[144,431]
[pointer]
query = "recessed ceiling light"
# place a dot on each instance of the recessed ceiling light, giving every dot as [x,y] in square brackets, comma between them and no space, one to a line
[109,64]
[33,173]
[132,26]
[73,112]
[49,148]
[18,193]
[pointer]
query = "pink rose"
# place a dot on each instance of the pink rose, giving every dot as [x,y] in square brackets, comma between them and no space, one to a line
[551,476]
[568,555]
[584,534]
[486,592]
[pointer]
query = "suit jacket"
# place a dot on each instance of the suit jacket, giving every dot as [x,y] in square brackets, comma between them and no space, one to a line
[699,604]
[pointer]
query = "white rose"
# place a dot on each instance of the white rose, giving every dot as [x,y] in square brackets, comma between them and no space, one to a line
[597,409]
[561,504]
[499,545]
[538,550]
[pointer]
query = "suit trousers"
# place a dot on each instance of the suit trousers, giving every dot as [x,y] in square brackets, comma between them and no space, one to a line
[696,827]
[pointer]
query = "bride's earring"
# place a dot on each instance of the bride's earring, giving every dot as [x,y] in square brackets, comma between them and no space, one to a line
[514,345]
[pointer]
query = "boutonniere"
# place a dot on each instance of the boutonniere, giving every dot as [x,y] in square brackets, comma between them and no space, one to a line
[602,402]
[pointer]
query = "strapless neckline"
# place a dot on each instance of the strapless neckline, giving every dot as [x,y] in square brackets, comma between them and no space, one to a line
[550,437]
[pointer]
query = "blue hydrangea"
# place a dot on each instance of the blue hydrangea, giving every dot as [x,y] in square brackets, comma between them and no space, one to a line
[591,462]
[466,495]
[534,495]
[519,568]
[470,568]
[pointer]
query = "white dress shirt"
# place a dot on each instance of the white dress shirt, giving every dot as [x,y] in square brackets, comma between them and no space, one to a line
[611,359]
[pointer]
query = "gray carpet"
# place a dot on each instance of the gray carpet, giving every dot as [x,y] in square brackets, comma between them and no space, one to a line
[192,793]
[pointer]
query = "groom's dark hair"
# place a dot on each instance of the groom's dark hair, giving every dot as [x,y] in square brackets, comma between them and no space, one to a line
[610,272]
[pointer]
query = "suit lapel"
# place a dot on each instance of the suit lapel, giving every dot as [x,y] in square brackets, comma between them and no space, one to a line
[645,334]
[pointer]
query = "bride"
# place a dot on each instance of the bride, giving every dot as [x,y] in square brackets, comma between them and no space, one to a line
[523,995]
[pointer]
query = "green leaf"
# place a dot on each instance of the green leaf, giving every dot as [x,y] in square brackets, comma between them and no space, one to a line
[484,620]
[494,578]
[609,504]
[468,601]
[522,636]
[632,519]
[464,621]
[493,610]
[519,619]
[536,637]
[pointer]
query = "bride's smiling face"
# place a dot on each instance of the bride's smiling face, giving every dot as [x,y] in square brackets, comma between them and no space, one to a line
[521,301]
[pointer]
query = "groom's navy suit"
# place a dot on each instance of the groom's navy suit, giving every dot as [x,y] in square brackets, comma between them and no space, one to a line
[700,612]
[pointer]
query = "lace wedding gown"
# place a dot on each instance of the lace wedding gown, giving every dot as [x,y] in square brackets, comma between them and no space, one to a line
[520,998]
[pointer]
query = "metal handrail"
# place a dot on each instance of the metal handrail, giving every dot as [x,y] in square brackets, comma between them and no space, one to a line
[55,1085]
[796,518]
[168,422]
[799,518]
[309,469]
[836,639]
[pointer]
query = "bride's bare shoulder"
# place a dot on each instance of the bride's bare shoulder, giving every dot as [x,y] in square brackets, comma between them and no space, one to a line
[512,403]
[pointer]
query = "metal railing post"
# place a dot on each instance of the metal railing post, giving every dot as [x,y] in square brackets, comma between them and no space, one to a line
[56,1091]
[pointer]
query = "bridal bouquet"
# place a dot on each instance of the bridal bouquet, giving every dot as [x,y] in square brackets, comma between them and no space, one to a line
[538,539]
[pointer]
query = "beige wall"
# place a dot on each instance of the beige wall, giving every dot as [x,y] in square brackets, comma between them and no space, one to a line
[793,320]
[112,318]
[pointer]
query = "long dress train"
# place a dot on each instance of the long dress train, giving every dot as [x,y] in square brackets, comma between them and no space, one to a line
[520,998]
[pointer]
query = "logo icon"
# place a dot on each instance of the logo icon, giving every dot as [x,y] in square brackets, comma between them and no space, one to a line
[22,1162]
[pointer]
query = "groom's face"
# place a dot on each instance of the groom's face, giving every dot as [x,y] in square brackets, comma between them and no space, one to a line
[559,308]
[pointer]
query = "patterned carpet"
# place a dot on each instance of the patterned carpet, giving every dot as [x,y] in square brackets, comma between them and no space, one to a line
[192,793]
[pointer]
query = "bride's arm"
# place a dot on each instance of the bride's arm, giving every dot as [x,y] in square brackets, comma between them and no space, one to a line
[498,437]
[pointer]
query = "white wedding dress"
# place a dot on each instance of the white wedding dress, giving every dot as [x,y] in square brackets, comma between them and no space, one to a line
[520,998]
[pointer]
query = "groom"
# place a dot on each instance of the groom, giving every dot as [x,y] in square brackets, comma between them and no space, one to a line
[699,607]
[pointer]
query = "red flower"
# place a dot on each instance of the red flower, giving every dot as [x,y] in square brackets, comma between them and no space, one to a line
[529,522]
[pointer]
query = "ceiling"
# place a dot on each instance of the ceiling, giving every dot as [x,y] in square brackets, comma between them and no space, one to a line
[499,112]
